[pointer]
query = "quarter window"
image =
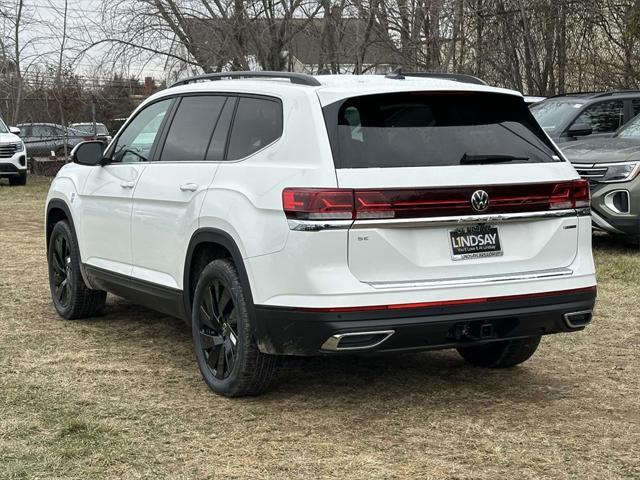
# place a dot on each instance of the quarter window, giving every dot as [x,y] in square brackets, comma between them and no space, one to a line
[192,128]
[135,142]
[258,122]
[603,117]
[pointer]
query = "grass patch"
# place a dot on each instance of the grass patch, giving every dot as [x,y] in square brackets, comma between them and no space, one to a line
[120,396]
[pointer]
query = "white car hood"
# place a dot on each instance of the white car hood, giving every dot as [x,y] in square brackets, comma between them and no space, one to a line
[9,138]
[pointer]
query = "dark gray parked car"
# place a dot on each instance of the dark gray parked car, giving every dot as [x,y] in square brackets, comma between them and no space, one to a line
[612,167]
[97,131]
[572,116]
[43,138]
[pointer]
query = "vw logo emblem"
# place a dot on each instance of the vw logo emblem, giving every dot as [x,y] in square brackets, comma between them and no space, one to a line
[480,200]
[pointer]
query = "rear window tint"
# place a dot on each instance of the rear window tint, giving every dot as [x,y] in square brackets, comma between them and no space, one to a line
[427,129]
[257,123]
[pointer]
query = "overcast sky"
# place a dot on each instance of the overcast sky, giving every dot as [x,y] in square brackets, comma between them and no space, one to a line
[45,35]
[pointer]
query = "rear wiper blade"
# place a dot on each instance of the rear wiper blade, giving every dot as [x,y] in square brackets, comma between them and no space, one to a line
[473,159]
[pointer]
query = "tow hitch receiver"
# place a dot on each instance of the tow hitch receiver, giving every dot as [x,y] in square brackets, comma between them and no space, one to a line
[479,330]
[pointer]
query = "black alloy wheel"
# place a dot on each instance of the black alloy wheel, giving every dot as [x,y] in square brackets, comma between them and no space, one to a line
[223,337]
[71,296]
[62,275]
[218,325]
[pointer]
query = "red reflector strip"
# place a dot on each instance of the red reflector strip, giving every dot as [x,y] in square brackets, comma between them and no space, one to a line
[445,303]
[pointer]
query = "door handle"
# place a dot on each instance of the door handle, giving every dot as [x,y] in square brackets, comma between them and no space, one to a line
[189,187]
[128,184]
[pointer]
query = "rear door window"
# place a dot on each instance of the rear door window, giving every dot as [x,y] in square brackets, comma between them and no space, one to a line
[192,127]
[257,123]
[433,129]
[603,117]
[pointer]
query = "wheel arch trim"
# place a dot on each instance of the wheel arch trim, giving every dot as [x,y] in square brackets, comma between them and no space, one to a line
[222,238]
[59,204]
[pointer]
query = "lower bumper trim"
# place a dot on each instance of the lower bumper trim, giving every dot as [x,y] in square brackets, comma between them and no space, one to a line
[286,331]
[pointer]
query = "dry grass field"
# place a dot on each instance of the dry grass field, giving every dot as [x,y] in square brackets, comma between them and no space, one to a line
[120,396]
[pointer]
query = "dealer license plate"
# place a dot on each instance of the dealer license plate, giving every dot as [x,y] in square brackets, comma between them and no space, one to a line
[474,242]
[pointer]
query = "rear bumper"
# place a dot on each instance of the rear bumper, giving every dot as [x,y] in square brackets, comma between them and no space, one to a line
[281,330]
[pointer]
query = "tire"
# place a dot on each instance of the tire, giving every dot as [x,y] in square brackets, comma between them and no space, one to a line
[223,341]
[20,180]
[502,354]
[71,297]
[633,241]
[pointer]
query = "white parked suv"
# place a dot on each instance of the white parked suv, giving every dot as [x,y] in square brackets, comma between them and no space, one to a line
[285,214]
[13,155]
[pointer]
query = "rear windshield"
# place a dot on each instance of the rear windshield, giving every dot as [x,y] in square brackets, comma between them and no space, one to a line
[434,129]
[553,114]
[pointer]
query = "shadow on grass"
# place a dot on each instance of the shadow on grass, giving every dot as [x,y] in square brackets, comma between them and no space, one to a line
[432,375]
[613,244]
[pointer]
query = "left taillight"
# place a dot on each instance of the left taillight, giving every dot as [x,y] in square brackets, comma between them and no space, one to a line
[318,203]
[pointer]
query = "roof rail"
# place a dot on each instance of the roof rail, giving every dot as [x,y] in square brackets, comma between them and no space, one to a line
[595,94]
[615,92]
[573,94]
[398,74]
[297,78]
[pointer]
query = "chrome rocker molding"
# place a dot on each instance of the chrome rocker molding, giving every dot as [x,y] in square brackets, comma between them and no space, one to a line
[319,225]
[578,319]
[333,342]
[484,279]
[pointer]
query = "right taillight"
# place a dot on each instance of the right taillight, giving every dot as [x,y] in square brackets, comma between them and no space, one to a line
[574,194]
[318,203]
[581,194]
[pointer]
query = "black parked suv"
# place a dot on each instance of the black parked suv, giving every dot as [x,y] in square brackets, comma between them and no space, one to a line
[572,116]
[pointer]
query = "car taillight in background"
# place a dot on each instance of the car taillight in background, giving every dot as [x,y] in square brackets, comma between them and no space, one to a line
[363,204]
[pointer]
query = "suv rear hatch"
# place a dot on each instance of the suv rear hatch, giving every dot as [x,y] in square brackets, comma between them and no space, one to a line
[452,186]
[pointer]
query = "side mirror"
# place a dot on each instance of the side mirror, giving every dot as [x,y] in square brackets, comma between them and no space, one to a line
[579,130]
[14,130]
[88,153]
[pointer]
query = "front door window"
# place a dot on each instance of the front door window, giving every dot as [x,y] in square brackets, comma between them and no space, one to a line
[135,142]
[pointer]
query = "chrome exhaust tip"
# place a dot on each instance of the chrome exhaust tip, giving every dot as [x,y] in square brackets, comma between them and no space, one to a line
[356,340]
[579,319]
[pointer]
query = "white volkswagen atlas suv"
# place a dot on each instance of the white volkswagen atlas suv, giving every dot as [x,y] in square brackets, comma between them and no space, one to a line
[285,214]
